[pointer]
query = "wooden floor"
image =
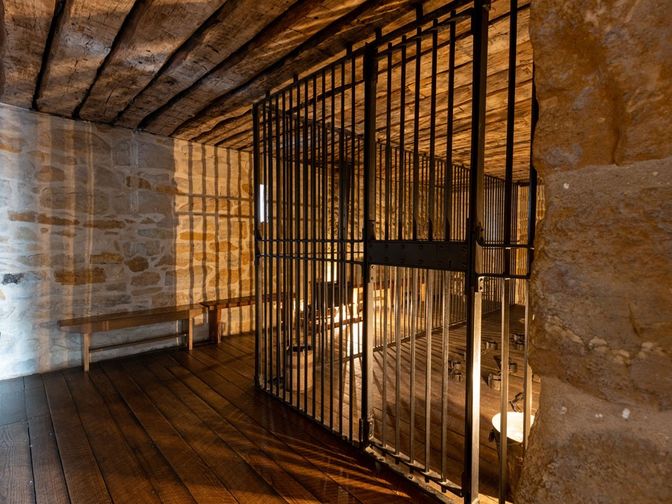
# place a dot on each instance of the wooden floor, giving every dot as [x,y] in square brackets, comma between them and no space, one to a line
[333,382]
[175,427]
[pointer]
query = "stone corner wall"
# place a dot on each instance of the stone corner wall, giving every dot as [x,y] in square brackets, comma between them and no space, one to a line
[98,219]
[602,279]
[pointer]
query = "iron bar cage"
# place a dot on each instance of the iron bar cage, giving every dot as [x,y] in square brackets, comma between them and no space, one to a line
[393,246]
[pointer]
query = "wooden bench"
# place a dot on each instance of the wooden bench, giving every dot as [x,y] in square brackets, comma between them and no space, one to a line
[215,308]
[86,326]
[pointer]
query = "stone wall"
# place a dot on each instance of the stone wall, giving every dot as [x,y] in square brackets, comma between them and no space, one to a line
[96,219]
[602,280]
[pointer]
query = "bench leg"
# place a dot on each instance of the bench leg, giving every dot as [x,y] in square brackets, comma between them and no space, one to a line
[214,320]
[190,333]
[212,328]
[86,354]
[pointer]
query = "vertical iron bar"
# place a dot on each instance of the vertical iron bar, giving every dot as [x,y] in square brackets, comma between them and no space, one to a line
[286,301]
[432,133]
[416,128]
[268,244]
[448,194]
[257,281]
[297,240]
[341,252]
[475,236]
[305,241]
[262,237]
[504,391]
[402,138]
[429,297]
[445,328]
[370,86]
[275,223]
[414,316]
[313,249]
[397,337]
[332,262]
[388,145]
[323,237]
[353,215]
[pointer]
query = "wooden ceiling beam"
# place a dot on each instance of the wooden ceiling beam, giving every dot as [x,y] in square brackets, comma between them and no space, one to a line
[224,127]
[499,26]
[351,28]
[82,41]
[25,31]
[156,29]
[235,23]
[497,78]
[297,24]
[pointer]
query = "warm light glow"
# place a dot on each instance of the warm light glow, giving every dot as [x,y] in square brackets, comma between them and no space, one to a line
[262,203]
[514,425]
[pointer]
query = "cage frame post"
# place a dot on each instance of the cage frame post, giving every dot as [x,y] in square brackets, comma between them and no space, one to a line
[257,239]
[474,283]
[370,89]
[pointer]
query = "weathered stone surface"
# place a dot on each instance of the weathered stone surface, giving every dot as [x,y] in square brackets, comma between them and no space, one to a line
[79,277]
[105,224]
[146,279]
[50,174]
[620,453]
[21,216]
[601,291]
[602,285]
[603,71]
[80,236]
[56,221]
[138,263]
[106,258]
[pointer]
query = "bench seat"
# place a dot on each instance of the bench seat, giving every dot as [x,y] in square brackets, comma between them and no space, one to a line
[86,326]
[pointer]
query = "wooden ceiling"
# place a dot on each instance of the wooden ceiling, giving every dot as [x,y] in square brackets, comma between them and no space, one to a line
[191,68]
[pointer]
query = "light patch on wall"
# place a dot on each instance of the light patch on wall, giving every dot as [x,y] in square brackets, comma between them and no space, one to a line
[262,203]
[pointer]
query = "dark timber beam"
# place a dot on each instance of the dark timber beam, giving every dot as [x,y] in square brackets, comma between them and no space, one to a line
[155,30]
[247,93]
[82,40]
[231,26]
[354,27]
[298,23]
[25,28]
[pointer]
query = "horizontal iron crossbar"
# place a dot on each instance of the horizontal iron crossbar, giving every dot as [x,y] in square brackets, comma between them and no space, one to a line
[423,254]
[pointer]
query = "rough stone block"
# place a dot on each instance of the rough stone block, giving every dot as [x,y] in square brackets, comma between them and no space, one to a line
[137,264]
[81,276]
[146,278]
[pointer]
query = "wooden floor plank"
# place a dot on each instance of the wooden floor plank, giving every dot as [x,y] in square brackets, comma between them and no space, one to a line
[281,481]
[16,474]
[241,480]
[207,384]
[50,487]
[124,476]
[12,407]
[82,475]
[291,475]
[11,385]
[202,483]
[48,477]
[163,478]
[184,428]
[324,451]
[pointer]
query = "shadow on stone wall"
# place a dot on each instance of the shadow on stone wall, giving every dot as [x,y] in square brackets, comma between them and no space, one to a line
[99,219]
